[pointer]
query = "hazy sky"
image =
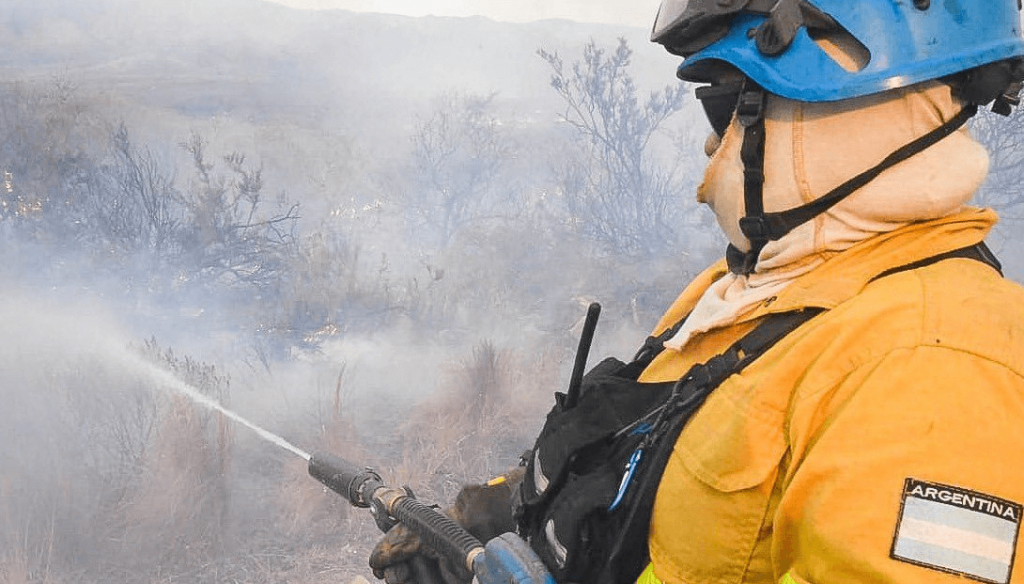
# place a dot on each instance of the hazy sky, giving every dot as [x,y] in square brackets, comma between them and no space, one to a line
[631,12]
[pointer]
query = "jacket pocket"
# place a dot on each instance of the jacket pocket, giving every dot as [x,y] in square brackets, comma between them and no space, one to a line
[731,450]
[713,502]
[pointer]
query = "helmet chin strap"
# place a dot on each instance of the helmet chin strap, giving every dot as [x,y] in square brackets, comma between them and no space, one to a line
[750,111]
[760,227]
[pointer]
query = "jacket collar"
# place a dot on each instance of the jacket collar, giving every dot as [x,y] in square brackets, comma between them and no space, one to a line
[845,274]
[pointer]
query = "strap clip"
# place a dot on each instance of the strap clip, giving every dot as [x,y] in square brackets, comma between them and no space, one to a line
[751,105]
[755,228]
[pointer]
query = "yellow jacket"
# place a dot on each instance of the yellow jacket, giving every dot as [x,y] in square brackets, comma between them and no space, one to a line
[881,442]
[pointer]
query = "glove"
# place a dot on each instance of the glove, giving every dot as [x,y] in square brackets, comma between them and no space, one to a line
[485,511]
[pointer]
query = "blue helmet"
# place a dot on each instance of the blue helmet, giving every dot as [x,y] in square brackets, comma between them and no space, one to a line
[828,50]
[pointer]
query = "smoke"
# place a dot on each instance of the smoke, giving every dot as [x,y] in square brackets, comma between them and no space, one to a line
[73,420]
[417,318]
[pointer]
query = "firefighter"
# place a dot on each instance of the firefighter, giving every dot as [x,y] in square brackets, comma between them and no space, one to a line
[878,438]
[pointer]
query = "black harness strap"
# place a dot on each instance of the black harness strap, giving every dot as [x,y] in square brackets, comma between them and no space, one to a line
[655,344]
[978,252]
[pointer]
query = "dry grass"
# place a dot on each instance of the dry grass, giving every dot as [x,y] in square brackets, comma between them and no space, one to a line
[182,491]
[478,427]
[14,569]
[20,566]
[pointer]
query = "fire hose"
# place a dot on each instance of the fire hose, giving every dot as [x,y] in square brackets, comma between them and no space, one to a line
[506,559]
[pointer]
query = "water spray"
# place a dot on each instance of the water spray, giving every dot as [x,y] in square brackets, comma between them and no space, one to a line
[212,404]
[169,380]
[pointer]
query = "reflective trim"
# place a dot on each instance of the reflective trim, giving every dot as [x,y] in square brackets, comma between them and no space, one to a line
[560,551]
[648,577]
[540,480]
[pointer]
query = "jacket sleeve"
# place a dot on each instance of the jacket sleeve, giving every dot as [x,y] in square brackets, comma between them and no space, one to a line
[907,470]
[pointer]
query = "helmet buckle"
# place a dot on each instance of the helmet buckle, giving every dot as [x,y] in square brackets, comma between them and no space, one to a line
[750,107]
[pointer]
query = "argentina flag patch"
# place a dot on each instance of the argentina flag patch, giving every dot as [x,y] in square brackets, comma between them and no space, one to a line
[958,531]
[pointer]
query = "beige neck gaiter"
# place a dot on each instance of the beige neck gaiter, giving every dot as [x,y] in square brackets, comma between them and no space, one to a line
[812,148]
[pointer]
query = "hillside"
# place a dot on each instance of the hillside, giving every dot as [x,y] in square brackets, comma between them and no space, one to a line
[254,60]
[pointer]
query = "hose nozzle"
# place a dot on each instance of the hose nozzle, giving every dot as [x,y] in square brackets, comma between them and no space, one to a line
[337,474]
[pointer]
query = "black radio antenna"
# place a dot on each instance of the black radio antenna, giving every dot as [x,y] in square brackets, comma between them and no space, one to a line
[586,339]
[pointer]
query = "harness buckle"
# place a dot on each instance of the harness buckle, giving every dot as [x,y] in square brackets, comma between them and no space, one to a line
[755,228]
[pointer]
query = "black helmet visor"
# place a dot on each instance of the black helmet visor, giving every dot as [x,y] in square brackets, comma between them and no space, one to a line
[687,26]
